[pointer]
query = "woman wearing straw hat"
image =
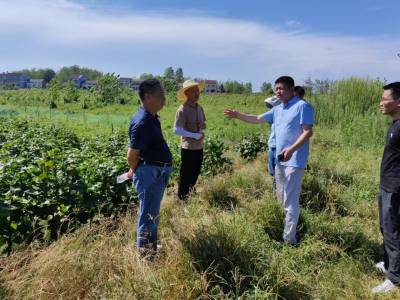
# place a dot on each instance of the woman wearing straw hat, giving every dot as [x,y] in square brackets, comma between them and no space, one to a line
[189,124]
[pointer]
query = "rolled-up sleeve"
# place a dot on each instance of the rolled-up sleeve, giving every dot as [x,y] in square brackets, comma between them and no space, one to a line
[139,136]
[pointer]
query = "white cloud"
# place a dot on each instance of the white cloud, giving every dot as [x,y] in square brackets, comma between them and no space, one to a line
[293,23]
[60,33]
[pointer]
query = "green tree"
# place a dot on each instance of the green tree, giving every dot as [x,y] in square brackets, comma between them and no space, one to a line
[179,74]
[145,76]
[55,90]
[169,85]
[48,75]
[32,73]
[33,94]
[248,88]
[169,73]
[89,74]
[234,87]
[222,88]
[109,88]
[71,93]
[265,87]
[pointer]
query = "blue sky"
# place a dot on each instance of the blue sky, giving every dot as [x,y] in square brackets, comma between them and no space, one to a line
[253,41]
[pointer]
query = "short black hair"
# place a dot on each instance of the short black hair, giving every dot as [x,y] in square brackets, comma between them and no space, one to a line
[148,87]
[395,87]
[299,90]
[286,80]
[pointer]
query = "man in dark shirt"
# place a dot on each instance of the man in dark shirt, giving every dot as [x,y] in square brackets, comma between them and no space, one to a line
[150,162]
[389,192]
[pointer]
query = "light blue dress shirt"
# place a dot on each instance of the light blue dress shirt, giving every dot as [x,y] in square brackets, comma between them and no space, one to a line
[287,121]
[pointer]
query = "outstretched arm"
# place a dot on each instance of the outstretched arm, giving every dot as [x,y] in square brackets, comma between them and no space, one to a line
[234,114]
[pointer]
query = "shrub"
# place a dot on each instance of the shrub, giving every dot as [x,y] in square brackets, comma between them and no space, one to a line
[51,177]
[251,145]
[213,162]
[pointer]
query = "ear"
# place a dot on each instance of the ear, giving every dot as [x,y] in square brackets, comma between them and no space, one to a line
[147,97]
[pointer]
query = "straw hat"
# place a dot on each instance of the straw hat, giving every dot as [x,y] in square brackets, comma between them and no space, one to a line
[187,85]
[272,102]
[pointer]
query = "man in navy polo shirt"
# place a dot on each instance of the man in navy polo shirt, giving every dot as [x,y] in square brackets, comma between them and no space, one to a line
[150,162]
[293,120]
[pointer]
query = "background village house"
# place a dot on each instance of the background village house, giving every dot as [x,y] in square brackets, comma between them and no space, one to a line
[78,80]
[14,79]
[38,83]
[135,84]
[125,81]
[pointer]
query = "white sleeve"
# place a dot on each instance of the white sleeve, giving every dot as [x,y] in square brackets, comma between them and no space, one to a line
[182,132]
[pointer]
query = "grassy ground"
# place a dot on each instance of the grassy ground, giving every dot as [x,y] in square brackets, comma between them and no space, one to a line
[229,243]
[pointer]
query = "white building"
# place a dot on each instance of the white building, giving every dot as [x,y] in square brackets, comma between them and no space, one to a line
[39,83]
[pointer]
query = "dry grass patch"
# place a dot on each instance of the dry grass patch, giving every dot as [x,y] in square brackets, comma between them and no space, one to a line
[101,262]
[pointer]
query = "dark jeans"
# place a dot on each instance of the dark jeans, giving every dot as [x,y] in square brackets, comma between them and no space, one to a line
[191,161]
[389,222]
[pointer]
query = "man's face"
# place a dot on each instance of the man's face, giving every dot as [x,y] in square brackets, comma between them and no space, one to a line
[156,100]
[193,94]
[284,93]
[389,106]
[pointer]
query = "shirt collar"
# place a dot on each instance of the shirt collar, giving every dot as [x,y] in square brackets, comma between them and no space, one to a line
[291,102]
[141,108]
[192,105]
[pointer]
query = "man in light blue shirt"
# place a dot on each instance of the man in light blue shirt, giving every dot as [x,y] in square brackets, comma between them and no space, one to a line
[293,120]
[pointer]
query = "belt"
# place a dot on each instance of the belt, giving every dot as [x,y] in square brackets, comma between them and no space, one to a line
[155,163]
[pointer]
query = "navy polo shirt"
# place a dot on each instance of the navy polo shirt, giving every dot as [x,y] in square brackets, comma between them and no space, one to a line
[145,135]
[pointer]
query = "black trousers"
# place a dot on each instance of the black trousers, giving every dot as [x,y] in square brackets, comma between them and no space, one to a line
[191,161]
[389,222]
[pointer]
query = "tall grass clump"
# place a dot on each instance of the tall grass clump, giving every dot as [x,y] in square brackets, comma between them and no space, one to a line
[235,258]
[352,108]
[231,190]
[349,98]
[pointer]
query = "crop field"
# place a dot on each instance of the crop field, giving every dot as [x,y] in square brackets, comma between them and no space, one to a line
[70,229]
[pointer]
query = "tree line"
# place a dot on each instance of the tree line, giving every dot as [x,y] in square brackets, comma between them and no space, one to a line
[62,74]
[171,78]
